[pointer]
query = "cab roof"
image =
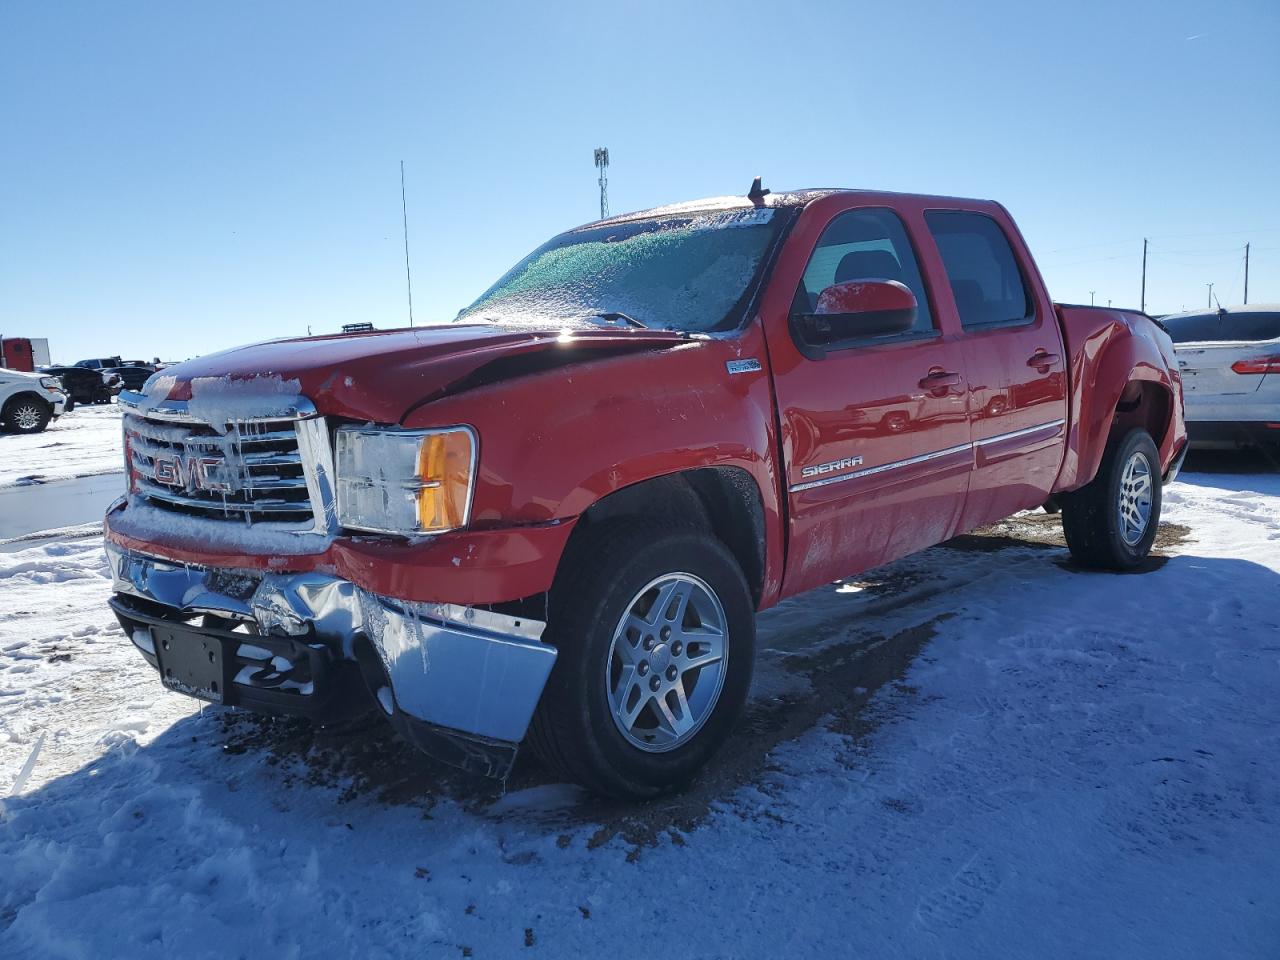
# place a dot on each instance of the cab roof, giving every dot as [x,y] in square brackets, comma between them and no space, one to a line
[780,199]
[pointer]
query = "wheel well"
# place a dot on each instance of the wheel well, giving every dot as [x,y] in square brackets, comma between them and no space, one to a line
[1142,404]
[24,395]
[724,501]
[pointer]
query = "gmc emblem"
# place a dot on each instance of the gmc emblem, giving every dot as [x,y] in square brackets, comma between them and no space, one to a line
[192,472]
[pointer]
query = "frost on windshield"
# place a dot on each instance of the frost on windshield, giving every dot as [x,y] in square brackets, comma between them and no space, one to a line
[681,273]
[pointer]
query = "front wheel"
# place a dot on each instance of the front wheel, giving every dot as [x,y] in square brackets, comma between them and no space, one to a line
[656,637]
[27,415]
[1110,523]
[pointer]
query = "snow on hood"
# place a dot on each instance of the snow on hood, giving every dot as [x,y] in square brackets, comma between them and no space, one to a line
[376,376]
[21,374]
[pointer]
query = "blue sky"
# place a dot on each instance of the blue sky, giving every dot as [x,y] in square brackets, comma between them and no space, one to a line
[175,179]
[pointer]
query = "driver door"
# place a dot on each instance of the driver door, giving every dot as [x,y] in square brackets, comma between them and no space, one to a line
[875,430]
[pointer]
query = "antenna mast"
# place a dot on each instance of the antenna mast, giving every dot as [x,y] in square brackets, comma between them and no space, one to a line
[602,164]
[404,210]
[1246,273]
[1143,306]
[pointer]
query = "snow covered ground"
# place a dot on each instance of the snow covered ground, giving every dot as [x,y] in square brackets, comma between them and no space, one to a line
[979,752]
[84,442]
[63,476]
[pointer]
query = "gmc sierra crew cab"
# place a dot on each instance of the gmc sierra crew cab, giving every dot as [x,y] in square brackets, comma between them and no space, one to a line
[554,519]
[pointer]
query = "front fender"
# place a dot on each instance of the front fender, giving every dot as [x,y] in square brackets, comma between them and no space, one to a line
[554,443]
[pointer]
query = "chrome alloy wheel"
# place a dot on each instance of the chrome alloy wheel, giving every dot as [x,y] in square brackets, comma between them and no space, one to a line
[667,662]
[27,417]
[1134,506]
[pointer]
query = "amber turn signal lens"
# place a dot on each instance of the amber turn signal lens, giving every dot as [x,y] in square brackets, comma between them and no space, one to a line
[444,464]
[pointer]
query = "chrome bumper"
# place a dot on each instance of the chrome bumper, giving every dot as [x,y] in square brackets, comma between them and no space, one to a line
[472,671]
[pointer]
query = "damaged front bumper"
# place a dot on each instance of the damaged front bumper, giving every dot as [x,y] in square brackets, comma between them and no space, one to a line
[460,682]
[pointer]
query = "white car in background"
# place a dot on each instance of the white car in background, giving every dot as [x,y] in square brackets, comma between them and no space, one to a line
[29,401]
[1230,365]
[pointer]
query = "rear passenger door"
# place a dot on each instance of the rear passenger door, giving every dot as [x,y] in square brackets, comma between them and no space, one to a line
[1013,352]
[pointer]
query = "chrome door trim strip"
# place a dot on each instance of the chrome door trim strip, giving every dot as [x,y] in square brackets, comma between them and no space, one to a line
[870,471]
[911,461]
[1019,433]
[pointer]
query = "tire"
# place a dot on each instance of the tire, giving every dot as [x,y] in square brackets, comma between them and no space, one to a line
[1097,534]
[27,414]
[608,591]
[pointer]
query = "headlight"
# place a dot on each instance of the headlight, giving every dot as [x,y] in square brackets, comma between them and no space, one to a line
[51,383]
[405,481]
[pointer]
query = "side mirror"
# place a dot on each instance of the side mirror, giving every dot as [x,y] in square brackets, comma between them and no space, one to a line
[858,309]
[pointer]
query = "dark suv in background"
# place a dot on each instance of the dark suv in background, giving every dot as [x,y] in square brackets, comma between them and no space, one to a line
[85,385]
[133,377]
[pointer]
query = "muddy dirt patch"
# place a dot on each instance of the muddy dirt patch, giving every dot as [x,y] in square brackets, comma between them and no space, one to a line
[842,679]
[1041,530]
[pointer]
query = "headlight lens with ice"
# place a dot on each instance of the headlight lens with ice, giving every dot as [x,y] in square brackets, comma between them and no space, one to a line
[405,481]
[51,383]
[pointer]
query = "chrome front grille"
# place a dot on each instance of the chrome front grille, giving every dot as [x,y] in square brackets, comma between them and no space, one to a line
[253,472]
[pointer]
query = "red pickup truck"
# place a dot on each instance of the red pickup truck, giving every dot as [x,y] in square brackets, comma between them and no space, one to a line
[555,518]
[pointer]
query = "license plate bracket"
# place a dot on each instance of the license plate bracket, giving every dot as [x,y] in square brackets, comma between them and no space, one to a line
[191,662]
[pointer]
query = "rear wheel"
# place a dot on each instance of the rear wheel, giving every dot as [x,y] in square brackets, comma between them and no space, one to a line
[27,415]
[1111,522]
[656,637]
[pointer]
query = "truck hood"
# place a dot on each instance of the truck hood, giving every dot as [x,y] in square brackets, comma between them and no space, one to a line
[7,374]
[383,375]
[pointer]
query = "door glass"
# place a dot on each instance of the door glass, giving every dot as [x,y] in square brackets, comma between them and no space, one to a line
[984,275]
[866,244]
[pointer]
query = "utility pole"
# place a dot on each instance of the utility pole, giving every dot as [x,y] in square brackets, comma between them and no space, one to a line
[1091,293]
[602,164]
[1210,286]
[1246,273]
[1143,305]
[404,209]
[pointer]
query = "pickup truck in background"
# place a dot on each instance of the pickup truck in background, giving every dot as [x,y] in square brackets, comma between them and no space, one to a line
[554,519]
[84,385]
[29,401]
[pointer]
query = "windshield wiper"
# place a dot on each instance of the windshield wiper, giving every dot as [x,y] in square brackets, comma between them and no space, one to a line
[615,316]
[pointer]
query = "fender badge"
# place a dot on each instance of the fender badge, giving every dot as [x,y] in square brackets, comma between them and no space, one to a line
[751,365]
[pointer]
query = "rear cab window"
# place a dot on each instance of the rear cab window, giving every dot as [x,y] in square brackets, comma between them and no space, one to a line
[986,281]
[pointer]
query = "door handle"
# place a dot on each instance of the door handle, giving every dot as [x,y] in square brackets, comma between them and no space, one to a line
[940,378]
[1042,359]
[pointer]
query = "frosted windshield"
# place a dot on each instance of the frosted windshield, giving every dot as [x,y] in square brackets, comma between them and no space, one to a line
[680,273]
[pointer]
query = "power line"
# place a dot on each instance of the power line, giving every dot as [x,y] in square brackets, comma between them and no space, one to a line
[1220,233]
[1165,236]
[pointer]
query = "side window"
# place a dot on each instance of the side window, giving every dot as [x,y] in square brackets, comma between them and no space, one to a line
[867,244]
[985,279]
